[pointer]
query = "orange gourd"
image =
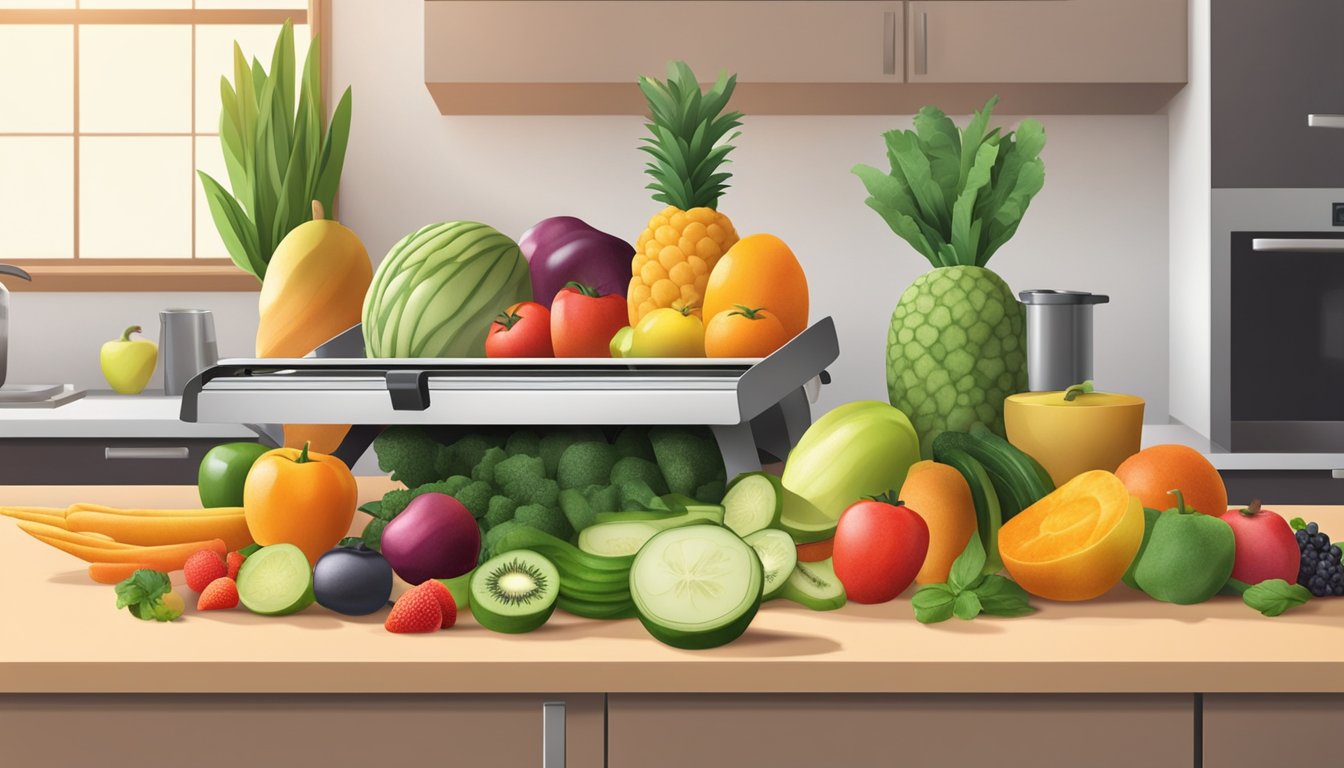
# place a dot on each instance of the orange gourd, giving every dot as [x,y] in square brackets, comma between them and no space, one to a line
[1077,542]
[939,494]
[299,497]
[760,271]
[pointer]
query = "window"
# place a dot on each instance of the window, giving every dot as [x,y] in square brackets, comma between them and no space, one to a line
[107,109]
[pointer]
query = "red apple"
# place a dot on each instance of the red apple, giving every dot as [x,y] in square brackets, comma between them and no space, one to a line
[1266,545]
[878,549]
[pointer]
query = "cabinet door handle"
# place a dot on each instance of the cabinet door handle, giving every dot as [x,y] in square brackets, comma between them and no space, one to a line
[1325,121]
[113,452]
[889,43]
[553,734]
[922,50]
[1297,245]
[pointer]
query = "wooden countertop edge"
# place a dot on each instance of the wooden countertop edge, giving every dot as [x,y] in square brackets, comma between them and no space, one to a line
[670,677]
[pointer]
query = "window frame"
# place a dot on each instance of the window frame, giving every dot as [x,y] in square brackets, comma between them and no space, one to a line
[157,275]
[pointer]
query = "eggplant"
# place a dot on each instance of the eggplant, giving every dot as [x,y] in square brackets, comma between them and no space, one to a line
[565,248]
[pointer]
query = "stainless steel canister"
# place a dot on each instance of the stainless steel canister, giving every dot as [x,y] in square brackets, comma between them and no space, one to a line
[187,346]
[1059,337]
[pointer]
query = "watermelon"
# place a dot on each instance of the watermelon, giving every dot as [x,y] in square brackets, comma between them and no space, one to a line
[438,290]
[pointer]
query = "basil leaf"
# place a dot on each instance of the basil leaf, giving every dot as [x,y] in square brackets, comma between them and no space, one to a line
[1297,524]
[1001,596]
[966,568]
[967,606]
[1274,596]
[933,603]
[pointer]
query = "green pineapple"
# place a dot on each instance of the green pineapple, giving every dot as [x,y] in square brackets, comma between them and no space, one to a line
[957,343]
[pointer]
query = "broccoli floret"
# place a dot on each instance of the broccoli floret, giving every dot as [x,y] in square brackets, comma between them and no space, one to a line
[452,485]
[636,495]
[519,469]
[603,498]
[710,493]
[469,450]
[554,444]
[543,518]
[501,510]
[576,509]
[544,492]
[396,501]
[635,468]
[373,534]
[634,441]
[687,458]
[586,463]
[493,536]
[409,454]
[525,442]
[476,498]
[485,468]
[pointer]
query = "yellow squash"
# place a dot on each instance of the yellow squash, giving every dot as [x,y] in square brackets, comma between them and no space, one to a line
[1071,435]
[314,289]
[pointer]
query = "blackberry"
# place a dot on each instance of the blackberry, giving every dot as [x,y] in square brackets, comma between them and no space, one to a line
[1320,569]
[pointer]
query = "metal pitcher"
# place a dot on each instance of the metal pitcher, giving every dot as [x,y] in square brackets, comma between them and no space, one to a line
[7,269]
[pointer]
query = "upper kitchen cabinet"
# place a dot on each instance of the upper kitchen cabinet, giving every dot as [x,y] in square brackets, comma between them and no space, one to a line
[808,56]
[527,57]
[1273,63]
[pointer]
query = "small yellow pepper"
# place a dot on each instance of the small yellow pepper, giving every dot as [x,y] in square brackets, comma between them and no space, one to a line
[296,497]
[128,363]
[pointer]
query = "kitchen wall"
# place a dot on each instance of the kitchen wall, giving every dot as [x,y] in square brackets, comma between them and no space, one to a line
[1099,225]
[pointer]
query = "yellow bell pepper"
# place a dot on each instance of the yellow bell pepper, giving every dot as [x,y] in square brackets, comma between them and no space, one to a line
[296,497]
[128,363]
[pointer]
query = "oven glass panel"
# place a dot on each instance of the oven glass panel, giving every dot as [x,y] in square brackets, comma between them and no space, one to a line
[1287,332]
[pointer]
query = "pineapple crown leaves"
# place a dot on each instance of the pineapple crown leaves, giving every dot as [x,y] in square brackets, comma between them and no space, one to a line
[957,196]
[689,141]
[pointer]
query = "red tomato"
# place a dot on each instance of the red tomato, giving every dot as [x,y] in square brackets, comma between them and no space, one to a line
[523,330]
[879,547]
[582,323]
[1266,545]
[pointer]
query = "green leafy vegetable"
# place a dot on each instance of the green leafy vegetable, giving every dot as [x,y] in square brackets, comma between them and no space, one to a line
[969,593]
[1297,524]
[275,152]
[148,595]
[1274,596]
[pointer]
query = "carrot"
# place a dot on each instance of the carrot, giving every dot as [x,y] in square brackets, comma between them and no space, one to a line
[154,513]
[816,551]
[49,533]
[156,531]
[113,573]
[49,515]
[168,557]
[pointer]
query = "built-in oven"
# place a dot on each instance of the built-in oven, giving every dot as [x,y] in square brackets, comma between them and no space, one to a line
[1285,341]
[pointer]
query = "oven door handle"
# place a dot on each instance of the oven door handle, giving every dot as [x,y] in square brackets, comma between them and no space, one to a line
[1297,244]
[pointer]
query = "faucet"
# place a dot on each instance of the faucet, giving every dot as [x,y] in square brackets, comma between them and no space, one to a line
[7,269]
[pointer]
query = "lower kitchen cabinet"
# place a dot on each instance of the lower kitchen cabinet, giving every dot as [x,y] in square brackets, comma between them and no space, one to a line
[1246,730]
[708,731]
[103,461]
[225,731]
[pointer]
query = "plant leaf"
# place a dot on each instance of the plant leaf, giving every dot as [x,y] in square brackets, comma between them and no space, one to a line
[1272,597]
[939,140]
[973,137]
[965,235]
[967,605]
[236,230]
[966,568]
[1000,596]
[896,206]
[933,603]
[919,174]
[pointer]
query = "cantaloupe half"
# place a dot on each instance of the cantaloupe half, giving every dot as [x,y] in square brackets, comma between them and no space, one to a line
[1077,542]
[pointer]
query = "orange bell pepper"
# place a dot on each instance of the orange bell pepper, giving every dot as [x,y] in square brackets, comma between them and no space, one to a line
[301,498]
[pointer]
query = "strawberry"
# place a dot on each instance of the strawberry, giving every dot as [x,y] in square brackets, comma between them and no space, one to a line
[415,611]
[446,602]
[220,594]
[202,568]
[234,562]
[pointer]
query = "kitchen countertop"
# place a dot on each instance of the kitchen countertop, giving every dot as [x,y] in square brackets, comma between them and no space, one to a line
[105,414]
[62,634]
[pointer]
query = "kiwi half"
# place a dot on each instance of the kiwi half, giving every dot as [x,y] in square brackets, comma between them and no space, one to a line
[514,592]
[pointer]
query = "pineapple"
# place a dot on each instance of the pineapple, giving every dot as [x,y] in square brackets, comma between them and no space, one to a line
[956,346]
[678,249]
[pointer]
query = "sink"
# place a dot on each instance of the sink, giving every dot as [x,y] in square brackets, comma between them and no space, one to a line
[29,393]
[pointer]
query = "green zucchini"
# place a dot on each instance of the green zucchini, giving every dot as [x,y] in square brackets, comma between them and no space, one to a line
[1016,475]
[696,587]
[604,611]
[620,538]
[987,515]
[815,586]
[753,502]
[779,556]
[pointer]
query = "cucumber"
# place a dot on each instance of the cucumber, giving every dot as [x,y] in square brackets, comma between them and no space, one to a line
[696,587]
[564,554]
[988,518]
[603,611]
[624,538]
[815,586]
[779,556]
[276,581]
[1019,480]
[753,502]
[632,515]
[711,512]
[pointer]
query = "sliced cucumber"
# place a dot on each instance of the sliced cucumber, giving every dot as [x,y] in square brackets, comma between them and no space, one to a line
[805,521]
[696,587]
[624,538]
[753,503]
[605,611]
[815,586]
[633,515]
[779,556]
[514,592]
[276,581]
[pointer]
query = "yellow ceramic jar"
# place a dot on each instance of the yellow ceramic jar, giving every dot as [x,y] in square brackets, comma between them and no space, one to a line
[1088,430]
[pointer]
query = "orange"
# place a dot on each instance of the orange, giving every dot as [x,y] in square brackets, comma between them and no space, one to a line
[939,494]
[1077,542]
[760,271]
[1153,472]
[744,332]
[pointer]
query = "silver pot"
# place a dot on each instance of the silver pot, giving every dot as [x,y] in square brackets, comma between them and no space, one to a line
[1059,337]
